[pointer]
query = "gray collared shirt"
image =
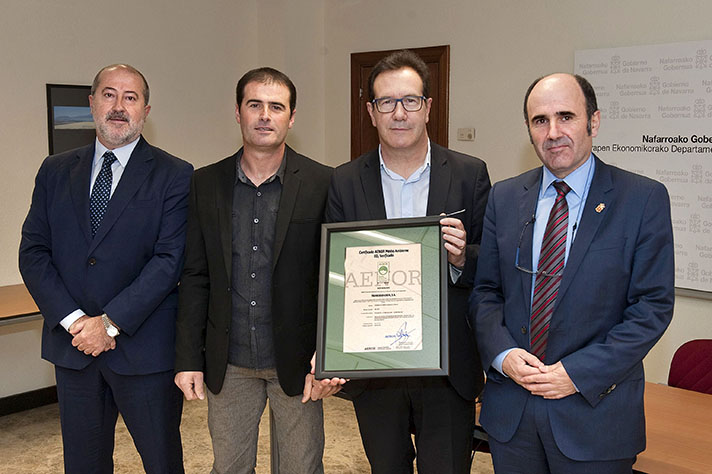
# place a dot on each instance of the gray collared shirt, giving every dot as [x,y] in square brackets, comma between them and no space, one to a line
[254,218]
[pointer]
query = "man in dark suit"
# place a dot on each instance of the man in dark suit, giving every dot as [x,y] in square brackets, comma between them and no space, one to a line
[408,176]
[101,253]
[248,294]
[574,287]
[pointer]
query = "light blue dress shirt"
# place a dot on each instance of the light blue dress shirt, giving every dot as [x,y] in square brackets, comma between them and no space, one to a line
[405,197]
[408,197]
[580,183]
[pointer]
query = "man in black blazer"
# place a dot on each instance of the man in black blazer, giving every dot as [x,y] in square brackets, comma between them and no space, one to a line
[248,295]
[101,253]
[408,176]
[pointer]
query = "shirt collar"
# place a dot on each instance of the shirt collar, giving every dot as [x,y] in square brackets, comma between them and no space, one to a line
[122,153]
[241,176]
[395,176]
[576,179]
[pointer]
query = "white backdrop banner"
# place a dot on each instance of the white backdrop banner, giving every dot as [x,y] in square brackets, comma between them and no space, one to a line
[656,120]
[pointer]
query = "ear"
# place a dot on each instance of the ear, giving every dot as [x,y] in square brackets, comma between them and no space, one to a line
[595,122]
[428,104]
[237,112]
[146,110]
[291,119]
[369,107]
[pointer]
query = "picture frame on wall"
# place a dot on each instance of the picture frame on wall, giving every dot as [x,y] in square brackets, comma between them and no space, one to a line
[69,121]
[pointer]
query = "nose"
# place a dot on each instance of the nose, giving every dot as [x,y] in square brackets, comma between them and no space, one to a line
[399,113]
[554,131]
[264,112]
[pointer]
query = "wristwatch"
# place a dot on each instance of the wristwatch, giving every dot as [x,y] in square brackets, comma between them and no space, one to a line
[111,330]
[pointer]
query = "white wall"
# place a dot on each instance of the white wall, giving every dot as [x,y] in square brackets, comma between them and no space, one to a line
[22,369]
[193,53]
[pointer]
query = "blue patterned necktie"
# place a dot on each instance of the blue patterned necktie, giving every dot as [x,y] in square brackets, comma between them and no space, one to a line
[101,192]
[551,264]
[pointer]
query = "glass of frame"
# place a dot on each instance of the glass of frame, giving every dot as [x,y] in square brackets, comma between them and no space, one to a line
[382,299]
[69,120]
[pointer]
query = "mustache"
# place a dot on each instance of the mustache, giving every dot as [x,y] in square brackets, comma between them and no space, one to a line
[117,115]
[563,141]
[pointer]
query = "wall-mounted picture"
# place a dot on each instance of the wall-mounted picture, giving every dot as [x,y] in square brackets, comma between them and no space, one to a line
[69,121]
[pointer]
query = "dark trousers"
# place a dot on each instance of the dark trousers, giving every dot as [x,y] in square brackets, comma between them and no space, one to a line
[443,421]
[533,449]
[89,403]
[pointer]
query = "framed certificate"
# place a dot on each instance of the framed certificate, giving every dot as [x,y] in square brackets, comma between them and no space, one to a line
[382,299]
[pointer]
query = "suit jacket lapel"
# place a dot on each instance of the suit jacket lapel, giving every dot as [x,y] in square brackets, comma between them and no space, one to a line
[527,208]
[290,189]
[137,170]
[440,176]
[371,182]
[224,191]
[600,192]
[79,180]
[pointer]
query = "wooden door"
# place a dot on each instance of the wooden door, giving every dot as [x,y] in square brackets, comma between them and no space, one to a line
[363,134]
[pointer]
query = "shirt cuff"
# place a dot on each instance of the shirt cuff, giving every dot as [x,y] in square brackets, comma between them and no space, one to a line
[70,318]
[455,272]
[499,360]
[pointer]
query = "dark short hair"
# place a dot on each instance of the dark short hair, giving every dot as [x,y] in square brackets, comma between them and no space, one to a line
[266,75]
[398,60]
[97,79]
[589,96]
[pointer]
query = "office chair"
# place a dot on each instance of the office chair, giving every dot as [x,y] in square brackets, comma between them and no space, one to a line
[691,366]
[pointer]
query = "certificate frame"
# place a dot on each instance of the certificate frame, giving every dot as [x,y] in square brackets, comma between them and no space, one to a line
[431,359]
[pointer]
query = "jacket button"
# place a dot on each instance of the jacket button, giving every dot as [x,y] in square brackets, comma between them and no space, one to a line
[524,329]
[229,289]
[92,261]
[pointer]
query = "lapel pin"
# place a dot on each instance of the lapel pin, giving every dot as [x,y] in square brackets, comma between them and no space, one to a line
[600,207]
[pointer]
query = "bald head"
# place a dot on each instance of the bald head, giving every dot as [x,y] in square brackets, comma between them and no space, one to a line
[559,124]
[586,89]
[127,67]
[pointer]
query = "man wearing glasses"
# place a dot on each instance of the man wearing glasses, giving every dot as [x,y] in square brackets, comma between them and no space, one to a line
[409,176]
[574,286]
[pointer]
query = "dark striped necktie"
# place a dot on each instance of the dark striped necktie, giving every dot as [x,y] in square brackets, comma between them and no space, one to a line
[549,271]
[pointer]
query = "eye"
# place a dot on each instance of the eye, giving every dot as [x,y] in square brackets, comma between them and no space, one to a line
[130,98]
[411,100]
[108,95]
[539,121]
[277,107]
[386,101]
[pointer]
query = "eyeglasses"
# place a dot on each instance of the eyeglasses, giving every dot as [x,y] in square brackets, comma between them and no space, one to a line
[525,270]
[411,103]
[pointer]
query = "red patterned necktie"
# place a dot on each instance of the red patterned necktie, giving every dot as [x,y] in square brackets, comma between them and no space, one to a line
[551,266]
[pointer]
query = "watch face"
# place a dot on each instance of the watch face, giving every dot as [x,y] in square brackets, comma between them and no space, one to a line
[112,331]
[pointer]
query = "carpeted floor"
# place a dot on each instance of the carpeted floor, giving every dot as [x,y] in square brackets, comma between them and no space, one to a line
[30,443]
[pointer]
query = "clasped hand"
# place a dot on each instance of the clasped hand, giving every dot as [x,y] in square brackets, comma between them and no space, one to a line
[547,381]
[90,336]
